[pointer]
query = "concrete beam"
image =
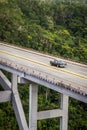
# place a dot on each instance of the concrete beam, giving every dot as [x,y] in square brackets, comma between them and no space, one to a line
[17,105]
[22,80]
[57,88]
[5,83]
[36,80]
[5,96]
[33,107]
[50,114]
[11,70]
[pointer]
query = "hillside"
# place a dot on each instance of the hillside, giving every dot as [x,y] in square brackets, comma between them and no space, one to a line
[56,27]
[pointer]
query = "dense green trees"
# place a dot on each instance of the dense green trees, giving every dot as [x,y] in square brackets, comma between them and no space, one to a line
[56,27]
[61,28]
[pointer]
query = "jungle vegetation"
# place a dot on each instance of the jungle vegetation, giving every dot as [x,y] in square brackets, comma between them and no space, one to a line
[55,27]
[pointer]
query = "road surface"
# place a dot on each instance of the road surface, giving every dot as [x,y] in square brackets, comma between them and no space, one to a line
[74,73]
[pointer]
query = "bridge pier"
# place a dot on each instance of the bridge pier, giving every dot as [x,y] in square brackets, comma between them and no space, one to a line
[64,107]
[34,115]
[33,107]
[11,94]
[17,105]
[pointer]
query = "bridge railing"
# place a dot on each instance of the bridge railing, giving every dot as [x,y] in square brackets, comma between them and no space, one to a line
[41,75]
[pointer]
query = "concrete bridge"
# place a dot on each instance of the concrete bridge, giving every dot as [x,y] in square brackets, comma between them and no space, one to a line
[33,67]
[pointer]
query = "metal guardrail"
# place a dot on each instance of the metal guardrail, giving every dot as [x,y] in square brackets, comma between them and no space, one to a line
[41,75]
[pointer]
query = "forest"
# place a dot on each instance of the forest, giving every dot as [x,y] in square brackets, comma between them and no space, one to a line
[54,27]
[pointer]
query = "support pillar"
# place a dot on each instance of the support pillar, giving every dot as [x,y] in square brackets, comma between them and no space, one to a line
[64,107]
[16,102]
[33,107]
[5,83]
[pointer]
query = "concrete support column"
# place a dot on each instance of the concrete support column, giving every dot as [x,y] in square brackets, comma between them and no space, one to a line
[33,107]
[64,107]
[17,105]
[4,81]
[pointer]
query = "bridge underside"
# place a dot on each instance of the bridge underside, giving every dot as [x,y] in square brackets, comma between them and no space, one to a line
[11,94]
[47,81]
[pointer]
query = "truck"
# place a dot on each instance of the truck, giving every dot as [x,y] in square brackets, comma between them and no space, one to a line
[58,63]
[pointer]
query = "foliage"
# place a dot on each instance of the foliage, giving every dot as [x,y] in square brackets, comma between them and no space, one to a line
[57,27]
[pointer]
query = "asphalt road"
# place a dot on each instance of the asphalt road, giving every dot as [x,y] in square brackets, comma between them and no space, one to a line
[74,73]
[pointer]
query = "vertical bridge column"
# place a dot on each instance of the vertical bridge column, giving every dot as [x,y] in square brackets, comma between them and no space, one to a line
[64,107]
[16,102]
[33,107]
[34,115]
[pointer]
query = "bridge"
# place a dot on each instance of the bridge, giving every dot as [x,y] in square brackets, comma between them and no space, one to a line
[30,66]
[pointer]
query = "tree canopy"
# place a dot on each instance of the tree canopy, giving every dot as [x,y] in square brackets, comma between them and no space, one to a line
[57,27]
